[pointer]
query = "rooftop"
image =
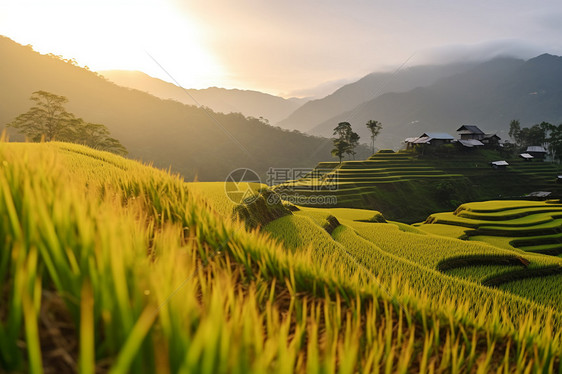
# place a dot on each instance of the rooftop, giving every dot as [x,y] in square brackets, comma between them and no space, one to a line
[536,148]
[437,135]
[499,163]
[470,129]
[470,143]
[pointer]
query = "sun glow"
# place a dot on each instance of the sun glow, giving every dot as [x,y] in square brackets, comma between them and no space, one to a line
[131,35]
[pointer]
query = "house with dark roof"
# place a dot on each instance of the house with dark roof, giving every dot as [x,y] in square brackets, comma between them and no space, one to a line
[430,138]
[491,139]
[536,151]
[470,143]
[468,132]
[502,164]
[471,133]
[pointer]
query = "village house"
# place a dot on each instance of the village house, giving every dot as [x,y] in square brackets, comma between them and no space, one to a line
[499,164]
[471,136]
[430,138]
[468,132]
[536,151]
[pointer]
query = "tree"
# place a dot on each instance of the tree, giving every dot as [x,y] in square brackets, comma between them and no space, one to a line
[93,135]
[375,127]
[342,129]
[346,138]
[353,141]
[46,119]
[544,133]
[515,131]
[49,120]
[340,148]
[556,142]
[528,136]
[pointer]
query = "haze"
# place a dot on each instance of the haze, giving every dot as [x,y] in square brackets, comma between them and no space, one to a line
[289,48]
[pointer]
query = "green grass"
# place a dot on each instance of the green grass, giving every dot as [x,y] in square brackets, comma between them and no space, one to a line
[222,196]
[444,230]
[110,265]
[479,273]
[541,290]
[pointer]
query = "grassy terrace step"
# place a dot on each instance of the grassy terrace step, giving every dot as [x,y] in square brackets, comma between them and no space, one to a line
[534,227]
[478,273]
[477,260]
[503,205]
[387,170]
[494,275]
[385,173]
[498,280]
[399,178]
[546,249]
[545,290]
[375,165]
[545,228]
[379,156]
[519,242]
[422,174]
[519,223]
[509,214]
[395,169]
[390,178]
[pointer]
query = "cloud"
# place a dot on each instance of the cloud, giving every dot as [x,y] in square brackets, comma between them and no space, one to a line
[479,52]
[321,90]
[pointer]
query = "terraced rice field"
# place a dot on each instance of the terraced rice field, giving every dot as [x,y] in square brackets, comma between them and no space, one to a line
[384,248]
[352,181]
[408,187]
[532,226]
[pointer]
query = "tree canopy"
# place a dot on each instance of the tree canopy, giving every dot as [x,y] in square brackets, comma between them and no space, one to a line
[544,134]
[48,119]
[375,127]
[346,142]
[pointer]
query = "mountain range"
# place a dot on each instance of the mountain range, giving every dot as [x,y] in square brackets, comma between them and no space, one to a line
[490,94]
[249,103]
[349,96]
[413,100]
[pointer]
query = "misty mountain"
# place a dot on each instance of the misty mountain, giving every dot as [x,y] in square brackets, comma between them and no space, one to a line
[191,140]
[249,103]
[490,95]
[365,89]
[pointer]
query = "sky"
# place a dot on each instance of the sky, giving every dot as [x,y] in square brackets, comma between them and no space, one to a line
[287,48]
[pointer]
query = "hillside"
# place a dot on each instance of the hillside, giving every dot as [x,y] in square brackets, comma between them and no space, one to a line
[366,89]
[192,141]
[249,103]
[489,95]
[115,266]
[408,187]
